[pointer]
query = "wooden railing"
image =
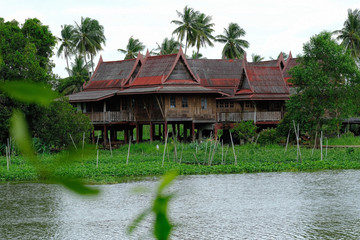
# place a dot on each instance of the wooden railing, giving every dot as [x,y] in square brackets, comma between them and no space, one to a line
[249,116]
[102,117]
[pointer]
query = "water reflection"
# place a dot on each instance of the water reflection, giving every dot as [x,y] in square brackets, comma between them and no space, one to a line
[322,205]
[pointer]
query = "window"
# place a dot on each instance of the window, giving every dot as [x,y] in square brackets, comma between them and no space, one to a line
[232,104]
[124,104]
[248,105]
[203,103]
[226,104]
[184,102]
[172,102]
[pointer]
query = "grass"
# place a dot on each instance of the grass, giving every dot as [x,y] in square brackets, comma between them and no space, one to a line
[146,161]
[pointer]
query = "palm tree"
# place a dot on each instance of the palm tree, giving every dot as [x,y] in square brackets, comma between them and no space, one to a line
[350,33]
[168,46]
[204,31]
[88,38]
[66,46]
[257,58]
[132,48]
[188,26]
[79,74]
[234,46]
[196,55]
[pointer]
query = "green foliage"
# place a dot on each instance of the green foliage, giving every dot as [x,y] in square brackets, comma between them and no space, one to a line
[244,130]
[59,121]
[26,51]
[234,45]
[162,224]
[133,47]
[326,81]
[168,46]
[268,136]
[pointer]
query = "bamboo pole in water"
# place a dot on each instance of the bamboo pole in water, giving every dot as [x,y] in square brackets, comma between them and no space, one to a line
[7,158]
[166,139]
[312,152]
[222,152]
[287,140]
[321,145]
[72,140]
[97,158]
[127,158]
[232,143]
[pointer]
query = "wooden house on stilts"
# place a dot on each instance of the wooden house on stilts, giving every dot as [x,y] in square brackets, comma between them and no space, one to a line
[195,96]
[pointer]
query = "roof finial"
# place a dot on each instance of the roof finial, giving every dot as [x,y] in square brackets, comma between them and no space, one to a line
[147,53]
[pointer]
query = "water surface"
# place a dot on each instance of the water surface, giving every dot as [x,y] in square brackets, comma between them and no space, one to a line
[319,205]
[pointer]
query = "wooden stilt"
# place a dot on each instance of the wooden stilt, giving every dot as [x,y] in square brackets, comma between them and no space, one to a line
[151,132]
[137,133]
[193,131]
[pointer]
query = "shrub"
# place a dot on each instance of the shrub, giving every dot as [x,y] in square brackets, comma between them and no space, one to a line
[268,136]
[244,130]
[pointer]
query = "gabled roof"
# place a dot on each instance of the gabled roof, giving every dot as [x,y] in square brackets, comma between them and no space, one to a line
[110,74]
[165,69]
[290,63]
[217,73]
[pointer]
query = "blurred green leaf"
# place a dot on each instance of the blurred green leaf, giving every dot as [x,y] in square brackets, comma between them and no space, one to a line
[137,220]
[29,92]
[20,132]
[166,180]
[77,186]
[162,225]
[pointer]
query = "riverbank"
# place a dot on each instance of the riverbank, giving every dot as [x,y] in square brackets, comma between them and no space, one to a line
[146,160]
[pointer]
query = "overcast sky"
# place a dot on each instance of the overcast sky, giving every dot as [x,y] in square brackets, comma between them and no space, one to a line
[271,26]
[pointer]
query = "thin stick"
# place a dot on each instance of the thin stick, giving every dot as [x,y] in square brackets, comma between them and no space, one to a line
[182,149]
[9,150]
[127,159]
[257,139]
[287,140]
[7,158]
[167,134]
[213,152]
[73,142]
[83,142]
[314,144]
[232,143]
[321,145]
[110,146]
[196,159]
[205,151]
[97,141]
[175,150]
[297,142]
[326,147]
[227,149]
[97,158]
[222,152]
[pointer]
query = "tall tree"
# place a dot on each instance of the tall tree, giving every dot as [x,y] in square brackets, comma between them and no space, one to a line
[204,31]
[196,55]
[66,43]
[234,45]
[168,46]
[350,33]
[79,74]
[187,26]
[327,82]
[256,58]
[133,47]
[89,38]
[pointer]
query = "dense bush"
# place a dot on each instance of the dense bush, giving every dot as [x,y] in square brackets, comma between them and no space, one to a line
[59,121]
[244,130]
[268,136]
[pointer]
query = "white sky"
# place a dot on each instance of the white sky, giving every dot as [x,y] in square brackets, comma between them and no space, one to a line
[271,26]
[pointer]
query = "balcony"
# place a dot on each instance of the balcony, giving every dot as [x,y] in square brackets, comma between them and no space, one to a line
[108,117]
[249,116]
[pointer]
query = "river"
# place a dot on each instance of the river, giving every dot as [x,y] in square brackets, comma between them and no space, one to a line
[318,205]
